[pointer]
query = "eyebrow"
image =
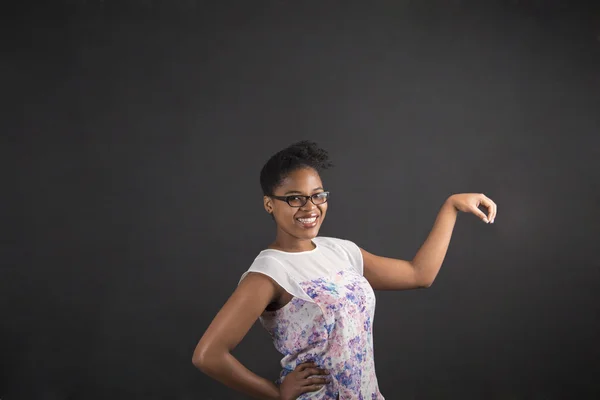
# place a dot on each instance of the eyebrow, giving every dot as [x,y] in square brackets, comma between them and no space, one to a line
[298,192]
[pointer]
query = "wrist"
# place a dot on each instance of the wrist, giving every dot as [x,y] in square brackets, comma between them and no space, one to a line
[449,203]
[277,394]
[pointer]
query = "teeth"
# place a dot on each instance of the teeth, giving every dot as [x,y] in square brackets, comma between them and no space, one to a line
[307,220]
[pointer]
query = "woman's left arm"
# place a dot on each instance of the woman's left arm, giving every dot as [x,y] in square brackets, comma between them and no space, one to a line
[385,273]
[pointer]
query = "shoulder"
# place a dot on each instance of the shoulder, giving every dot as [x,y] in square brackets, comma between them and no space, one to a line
[334,243]
[267,267]
[265,270]
[345,249]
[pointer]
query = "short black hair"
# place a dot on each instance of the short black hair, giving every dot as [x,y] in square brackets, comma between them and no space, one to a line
[299,155]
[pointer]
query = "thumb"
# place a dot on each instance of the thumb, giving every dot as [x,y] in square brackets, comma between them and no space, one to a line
[480,214]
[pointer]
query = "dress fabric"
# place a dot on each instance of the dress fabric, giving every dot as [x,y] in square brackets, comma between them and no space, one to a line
[329,321]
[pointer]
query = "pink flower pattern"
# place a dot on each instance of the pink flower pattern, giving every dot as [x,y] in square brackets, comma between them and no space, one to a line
[335,331]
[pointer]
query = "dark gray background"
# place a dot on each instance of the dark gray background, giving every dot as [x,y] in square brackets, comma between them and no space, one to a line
[133,136]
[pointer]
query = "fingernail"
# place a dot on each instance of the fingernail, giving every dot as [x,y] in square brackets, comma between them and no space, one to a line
[485,220]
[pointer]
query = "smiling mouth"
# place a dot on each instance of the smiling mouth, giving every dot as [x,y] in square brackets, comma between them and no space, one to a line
[308,222]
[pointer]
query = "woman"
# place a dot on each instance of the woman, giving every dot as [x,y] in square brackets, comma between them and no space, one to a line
[314,294]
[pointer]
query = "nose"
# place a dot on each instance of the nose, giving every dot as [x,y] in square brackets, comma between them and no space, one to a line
[309,205]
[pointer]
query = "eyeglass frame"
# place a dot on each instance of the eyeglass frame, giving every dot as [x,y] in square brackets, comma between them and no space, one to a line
[286,198]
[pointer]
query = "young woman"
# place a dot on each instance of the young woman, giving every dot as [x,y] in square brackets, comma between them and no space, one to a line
[314,294]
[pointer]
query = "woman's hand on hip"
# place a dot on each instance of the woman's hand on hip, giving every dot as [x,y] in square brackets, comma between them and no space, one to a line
[298,382]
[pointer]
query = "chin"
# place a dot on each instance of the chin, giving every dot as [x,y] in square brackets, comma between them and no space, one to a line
[309,234]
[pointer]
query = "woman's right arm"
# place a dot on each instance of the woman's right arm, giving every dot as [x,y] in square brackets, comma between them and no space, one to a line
[213,352]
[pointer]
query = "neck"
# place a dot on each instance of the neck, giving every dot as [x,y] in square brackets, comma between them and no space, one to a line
[286,242]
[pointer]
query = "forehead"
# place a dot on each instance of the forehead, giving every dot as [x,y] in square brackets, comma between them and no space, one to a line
[305,179]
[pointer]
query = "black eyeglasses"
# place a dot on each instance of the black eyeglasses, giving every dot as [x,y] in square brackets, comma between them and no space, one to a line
[297,200]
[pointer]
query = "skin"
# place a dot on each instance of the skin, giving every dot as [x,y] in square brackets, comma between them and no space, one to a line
[258,292]
[290,235]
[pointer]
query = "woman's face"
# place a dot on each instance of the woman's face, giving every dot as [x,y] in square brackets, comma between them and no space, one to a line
[298,222]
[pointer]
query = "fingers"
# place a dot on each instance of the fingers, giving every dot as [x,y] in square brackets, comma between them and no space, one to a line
[480,214]
[314,383]
[303,366]
[317,381]
[492,209]
[313,371]
[311,388]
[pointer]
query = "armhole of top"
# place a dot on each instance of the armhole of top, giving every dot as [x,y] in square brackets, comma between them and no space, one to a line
[274,269]
[359,259]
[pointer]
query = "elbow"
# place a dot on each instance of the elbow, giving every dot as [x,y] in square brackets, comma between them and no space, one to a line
[205,359]
[425,284]
[198,359]
[208,354]
[201,359]
[421,280]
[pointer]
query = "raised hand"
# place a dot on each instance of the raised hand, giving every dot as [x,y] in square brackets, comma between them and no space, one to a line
[470,202]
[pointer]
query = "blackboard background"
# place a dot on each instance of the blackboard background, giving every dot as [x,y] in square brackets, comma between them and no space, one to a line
[133,133]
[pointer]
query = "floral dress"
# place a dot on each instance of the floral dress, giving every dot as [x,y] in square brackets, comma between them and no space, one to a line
[329,321]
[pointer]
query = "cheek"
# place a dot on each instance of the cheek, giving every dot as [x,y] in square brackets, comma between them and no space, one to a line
[285,214]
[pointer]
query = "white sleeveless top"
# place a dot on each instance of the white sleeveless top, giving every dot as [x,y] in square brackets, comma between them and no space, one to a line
[330,318]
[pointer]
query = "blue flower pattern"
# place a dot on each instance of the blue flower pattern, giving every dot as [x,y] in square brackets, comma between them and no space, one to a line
[334,331]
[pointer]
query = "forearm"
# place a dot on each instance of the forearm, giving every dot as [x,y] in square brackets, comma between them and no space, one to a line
[226,369]
[428,260]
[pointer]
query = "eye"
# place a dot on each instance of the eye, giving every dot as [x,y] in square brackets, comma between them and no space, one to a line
[320,196]
[296,201]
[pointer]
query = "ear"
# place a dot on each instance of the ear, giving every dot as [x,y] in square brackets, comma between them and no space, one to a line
[268,204]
